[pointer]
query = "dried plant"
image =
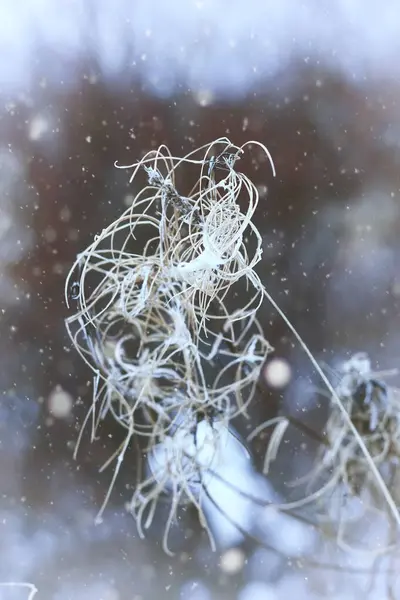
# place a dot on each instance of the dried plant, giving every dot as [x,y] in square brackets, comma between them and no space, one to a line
[374,408]
[175,358]
[342,473]
[151,323]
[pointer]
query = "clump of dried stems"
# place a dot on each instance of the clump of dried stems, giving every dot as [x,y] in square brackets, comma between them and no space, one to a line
[174,363]
[341,484]
[153,324]
[374,408]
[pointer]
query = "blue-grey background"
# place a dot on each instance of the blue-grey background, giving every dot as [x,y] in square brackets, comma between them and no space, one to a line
[84,83]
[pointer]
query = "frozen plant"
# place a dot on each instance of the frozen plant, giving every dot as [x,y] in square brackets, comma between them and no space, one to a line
[157,320]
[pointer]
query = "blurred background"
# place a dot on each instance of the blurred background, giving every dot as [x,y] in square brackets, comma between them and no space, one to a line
[85,83]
